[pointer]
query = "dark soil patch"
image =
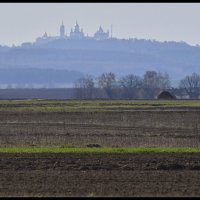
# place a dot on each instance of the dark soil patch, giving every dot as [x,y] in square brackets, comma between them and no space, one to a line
[99,174]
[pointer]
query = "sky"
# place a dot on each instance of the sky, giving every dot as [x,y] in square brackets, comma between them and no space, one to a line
[24,22]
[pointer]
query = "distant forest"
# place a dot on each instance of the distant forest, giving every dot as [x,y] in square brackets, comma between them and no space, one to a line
[37,78]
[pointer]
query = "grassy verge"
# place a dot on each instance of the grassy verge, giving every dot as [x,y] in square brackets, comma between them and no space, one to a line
[39,105]
[96,150]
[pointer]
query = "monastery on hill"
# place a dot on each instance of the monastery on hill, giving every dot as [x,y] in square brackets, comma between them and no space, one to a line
[75,33]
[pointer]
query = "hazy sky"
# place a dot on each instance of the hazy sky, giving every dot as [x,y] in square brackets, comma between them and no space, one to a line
[24,22]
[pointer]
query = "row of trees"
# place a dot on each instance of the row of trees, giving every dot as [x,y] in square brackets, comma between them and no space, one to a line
[150,80]
[191,85]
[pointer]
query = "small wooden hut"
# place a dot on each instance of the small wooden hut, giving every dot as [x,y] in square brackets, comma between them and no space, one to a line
[166,95]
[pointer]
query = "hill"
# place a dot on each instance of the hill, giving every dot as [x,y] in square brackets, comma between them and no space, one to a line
[89,56]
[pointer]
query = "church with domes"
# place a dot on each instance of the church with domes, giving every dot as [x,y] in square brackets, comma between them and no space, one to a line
[76,33]
[101,35]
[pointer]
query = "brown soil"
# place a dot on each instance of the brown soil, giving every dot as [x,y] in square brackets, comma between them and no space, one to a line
[122,129]
[98,174]
[130,174]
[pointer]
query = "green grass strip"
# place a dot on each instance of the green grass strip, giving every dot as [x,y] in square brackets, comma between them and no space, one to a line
[44,105]
[96,150]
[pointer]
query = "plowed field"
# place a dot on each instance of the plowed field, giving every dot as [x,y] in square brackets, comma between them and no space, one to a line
[104,124]
[100,174]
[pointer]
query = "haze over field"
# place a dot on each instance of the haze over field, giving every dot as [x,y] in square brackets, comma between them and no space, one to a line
[36,51]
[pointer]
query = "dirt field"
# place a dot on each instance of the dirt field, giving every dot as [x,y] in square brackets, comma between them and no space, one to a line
[83,175]
[115,129]
[100,174]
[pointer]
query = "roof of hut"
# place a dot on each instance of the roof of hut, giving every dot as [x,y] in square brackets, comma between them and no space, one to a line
[166,95]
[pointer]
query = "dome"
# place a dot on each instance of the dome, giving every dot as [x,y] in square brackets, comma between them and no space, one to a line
[76,26]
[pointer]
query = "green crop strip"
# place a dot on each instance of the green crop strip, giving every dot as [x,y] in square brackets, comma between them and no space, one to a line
[97,150]
[43,105]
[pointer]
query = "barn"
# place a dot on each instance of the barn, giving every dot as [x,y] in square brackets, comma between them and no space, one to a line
[166,95]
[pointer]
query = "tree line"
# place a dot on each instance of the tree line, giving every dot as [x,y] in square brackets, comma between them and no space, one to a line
[132,86]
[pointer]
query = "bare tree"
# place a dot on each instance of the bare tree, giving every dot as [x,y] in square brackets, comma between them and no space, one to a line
[107,82]
[130,83]
[85,82]
[84,87]
[191,85]
[153,79]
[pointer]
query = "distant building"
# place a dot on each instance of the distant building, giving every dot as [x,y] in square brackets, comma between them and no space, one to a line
[45,35]
[76,33]
[166,95]
[45,38]
[101,35]
[62,31]
[26,44]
